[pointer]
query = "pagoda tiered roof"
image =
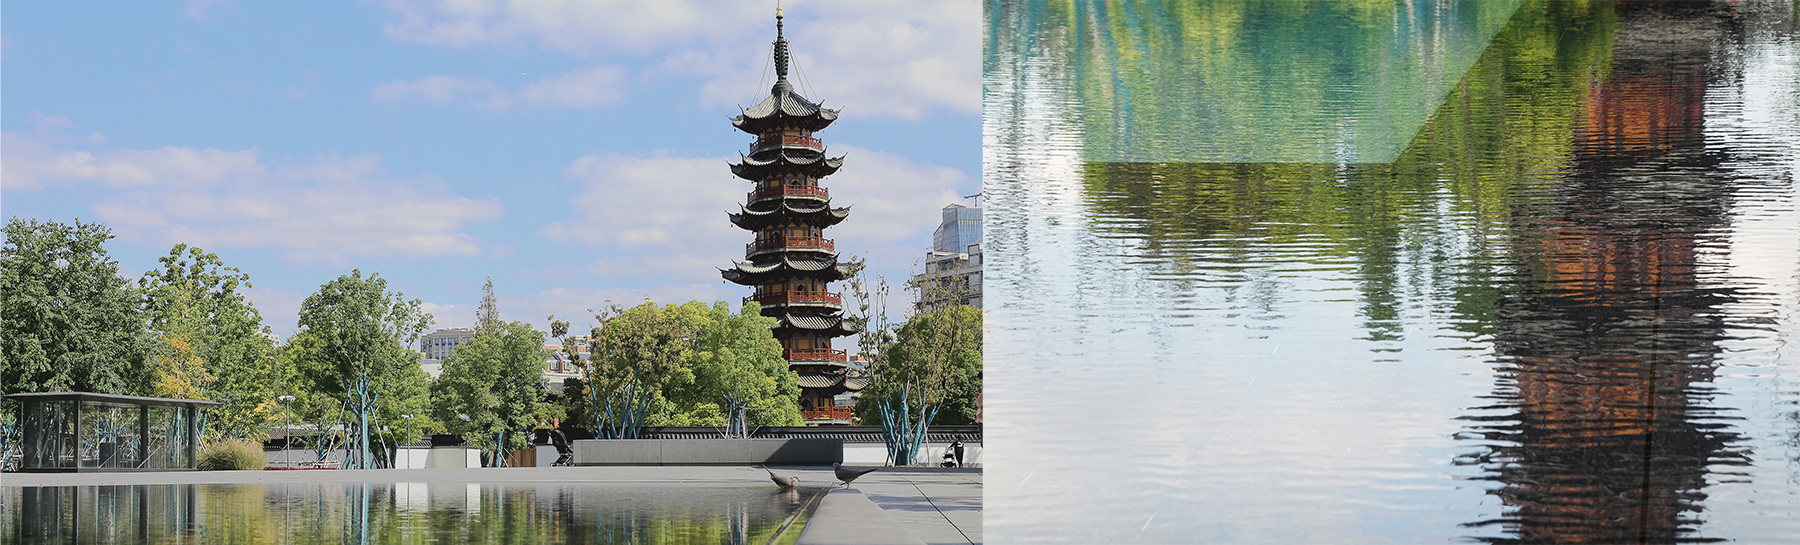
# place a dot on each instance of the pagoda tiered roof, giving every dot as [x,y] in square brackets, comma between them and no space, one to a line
[814,324]
[820,214]
[831,383]
[756,168]
[784,108]
[759,272]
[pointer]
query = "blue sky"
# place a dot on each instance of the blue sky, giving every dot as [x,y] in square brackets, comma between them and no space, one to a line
[573,151]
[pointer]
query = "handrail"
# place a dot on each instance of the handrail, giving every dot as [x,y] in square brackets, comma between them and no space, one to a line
[786,140]
[797,297]
[791,242]
[791,191]
[816,354]
[831,413]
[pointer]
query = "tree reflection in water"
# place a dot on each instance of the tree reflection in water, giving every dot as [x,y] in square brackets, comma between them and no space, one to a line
[437,512]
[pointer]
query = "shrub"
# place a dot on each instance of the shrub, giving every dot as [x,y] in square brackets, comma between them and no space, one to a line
[232,454]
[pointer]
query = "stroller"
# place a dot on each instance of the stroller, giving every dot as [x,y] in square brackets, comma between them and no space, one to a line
[565,453]
[953,455]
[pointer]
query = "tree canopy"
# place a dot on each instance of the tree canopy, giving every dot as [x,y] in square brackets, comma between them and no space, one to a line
[356,337]
[737,368]
[685,365]
[930,374]
[211,341]
[68,322]
[489,390]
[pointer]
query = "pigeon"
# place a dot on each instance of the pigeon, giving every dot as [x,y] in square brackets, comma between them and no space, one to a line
[846,474]
[785,483]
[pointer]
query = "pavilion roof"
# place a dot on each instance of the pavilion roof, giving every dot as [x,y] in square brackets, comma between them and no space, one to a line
[110,398]
[816,214]
[835,381]
[757,168]
[816,324]
[757,272]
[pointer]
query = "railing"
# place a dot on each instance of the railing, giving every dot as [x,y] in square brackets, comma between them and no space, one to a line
[816,354]
[791,191]
[827,413]
[786,140]
[797,297]
[790,242]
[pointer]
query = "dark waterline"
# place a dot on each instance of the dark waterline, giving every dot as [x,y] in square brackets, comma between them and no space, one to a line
[1559,314]
[434,512]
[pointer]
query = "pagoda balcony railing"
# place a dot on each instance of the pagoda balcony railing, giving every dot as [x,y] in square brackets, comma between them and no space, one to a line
[816,354]
[791,191]
[828,413]
[786,140]
[797,297]
[821,243]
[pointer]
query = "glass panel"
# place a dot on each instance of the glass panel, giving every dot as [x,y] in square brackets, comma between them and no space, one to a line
[52,425]
[109,436]
[165,430]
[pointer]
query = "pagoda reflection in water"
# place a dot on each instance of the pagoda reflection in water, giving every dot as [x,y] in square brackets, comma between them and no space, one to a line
[1609,338]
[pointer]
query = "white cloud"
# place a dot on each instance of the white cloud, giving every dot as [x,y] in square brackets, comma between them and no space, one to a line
[280,309]
[446,316]
[585,88]
[443,90]
[574,304]
[685,234]
[204,11]
[583,28]
[28,161]
[322,211]
[885,58]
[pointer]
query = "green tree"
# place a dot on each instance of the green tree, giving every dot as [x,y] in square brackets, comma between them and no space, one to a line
[180,372]
[68,322]
[681,365]
[357,338]
[636,354]
[196,305]
[934,364]
[319,408]
[738,371]
[488,314]
[489,389]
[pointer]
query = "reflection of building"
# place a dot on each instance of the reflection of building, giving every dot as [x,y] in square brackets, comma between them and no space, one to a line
[1609,338]
[790,263]
[952,274]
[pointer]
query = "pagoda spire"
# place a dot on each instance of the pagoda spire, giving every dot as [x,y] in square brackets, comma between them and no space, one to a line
[781,58]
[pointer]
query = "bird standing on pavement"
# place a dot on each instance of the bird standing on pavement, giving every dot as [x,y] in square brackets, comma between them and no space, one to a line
[784,482]
[846,474]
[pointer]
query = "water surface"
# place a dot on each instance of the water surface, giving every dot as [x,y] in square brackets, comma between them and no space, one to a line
[406,512]
[1562,311]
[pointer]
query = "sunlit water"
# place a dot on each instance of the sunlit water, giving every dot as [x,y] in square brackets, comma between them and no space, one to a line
[1561,309]
[435,512]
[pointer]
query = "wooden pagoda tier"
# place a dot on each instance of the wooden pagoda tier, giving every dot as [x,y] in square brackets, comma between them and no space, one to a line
[790,263]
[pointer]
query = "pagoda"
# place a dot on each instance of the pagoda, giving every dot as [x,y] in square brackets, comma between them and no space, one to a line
[790,263]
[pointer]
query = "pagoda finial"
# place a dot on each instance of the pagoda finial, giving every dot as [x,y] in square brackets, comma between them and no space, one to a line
[781,56]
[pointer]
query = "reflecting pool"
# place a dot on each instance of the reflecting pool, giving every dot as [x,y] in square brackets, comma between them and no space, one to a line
[433,512]
[1228,304]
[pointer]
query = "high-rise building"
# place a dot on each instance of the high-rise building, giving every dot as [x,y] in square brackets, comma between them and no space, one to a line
[790,263]
[960,229]
[952,274]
